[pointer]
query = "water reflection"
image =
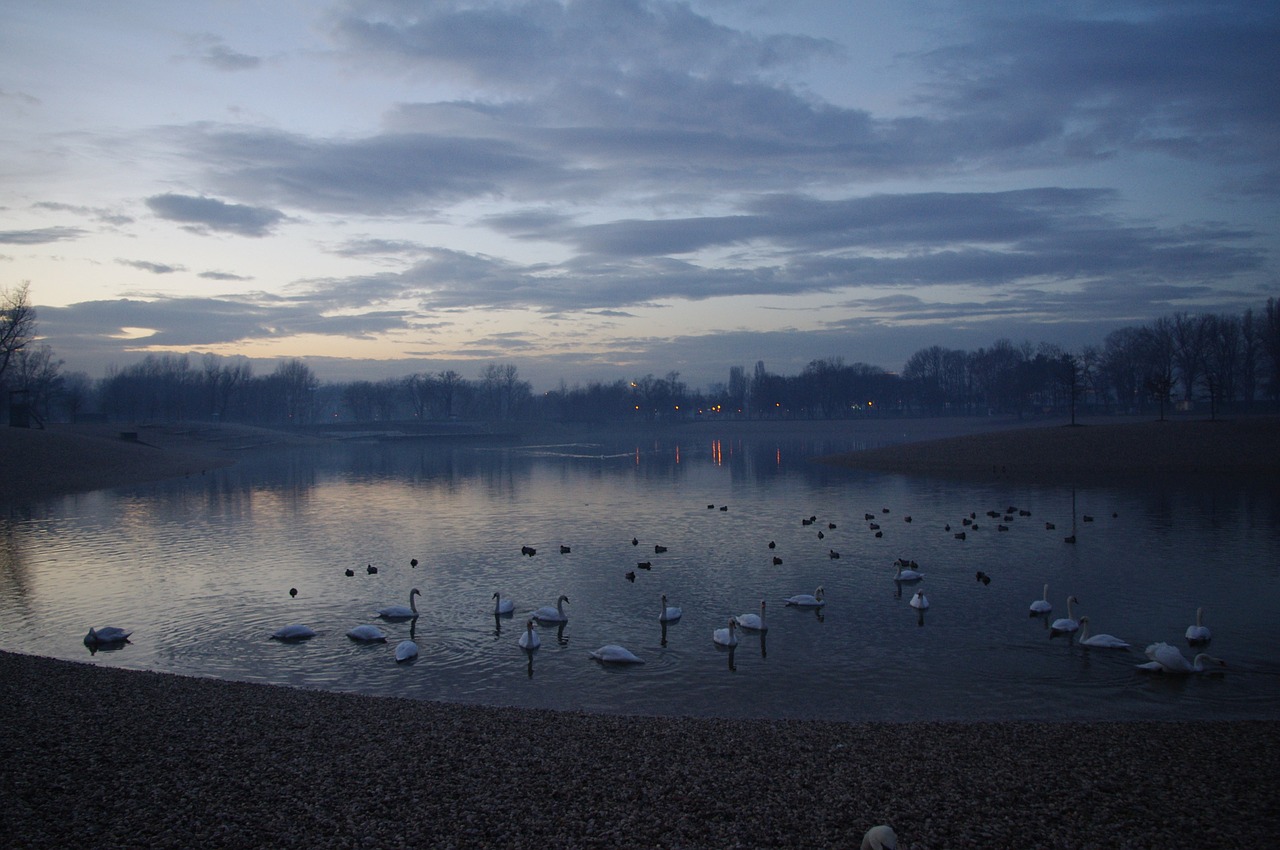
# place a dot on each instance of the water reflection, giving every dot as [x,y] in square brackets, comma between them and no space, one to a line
[201,568]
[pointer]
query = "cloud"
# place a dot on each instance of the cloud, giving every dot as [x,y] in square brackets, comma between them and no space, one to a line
[223,276]
[154,268]
[40,236]
[204,214]
[1192,80]
[199,322]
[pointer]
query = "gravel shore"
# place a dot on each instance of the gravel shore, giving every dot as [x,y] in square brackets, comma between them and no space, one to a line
[96,757]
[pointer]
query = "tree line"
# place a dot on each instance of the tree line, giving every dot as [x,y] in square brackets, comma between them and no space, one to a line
[1211,361]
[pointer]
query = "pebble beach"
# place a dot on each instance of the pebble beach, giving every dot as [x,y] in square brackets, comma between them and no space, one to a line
[98,757]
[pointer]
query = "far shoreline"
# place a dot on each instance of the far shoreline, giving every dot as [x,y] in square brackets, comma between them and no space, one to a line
[66,459]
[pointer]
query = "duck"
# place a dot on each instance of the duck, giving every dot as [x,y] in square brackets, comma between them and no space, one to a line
[1099,641]
[905,574]
[804,600]
[611,653]
[401,612]
[1169,659]
[529,639]
[406,650]
[726,637]
[670,613]
[919,600]
[1042,607]
[1198,633]
[105,636]
[502,606]
[367,634]
[547,614]
[1065,625]
[294,632]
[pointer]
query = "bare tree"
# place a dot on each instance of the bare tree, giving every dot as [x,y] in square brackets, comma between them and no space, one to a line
[298,384]
[1188,334]
[17,323]
[1271,344]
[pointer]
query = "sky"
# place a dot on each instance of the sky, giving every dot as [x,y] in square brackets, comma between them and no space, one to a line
[596,190]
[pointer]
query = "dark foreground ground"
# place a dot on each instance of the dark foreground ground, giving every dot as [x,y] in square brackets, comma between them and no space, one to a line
[94,757]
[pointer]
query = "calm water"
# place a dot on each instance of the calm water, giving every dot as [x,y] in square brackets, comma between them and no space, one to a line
[200,570]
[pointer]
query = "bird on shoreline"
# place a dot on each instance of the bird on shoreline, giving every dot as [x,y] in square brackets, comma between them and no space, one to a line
[106,636]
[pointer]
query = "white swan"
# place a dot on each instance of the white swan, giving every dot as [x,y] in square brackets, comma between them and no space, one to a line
[754,622]
[1042,606]
[406,650]
[804,600]
[1065,625]
[368,634]
[670,613]
[1099,641]
[919,600]
[400,612]
[880,838]
[907,575]
[106,635]
[529,638]
[726,637]
[294,632]
[614,654]
[1169,659]
[1198,633]
[547,614]
[502,606]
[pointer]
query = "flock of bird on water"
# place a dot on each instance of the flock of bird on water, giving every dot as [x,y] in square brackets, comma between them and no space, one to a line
[1162,657]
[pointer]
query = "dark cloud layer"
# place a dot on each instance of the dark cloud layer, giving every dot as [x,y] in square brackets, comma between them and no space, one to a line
[659,155]
[201,214]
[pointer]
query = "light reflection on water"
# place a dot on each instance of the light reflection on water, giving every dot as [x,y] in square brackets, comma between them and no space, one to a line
[200,570]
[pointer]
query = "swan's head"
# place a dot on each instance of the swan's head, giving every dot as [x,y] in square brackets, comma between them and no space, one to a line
[563,598]
[415,592]
[817,594]
[1204,659]
[495,595]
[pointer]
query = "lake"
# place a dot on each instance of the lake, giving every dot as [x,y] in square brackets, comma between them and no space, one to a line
[200,570]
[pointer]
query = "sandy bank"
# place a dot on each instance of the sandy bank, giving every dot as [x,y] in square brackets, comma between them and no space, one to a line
[1244,448]
[68,459]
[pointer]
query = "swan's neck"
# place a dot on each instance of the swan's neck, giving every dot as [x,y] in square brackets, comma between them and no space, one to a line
[1046,593]
[413,605]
